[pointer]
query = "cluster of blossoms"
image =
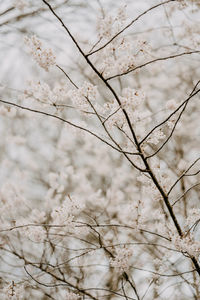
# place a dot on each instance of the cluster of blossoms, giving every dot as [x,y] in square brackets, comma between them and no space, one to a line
[187,244]
[115,115]
[69,207]
[132,101]
[57,182]
[20,4]
[110,25]
[84,195]
[65,213]
[36,234]
[192,31]
[114,60]
[7,111]
[193,217]
[72,296]
[11,201]
[82,97]
[184,3]
[157,136]
[149,191]
[121,54]
[13,292]
[171,105]
[135,214]
[121,261]
[61,215]
[163,176]
[31,227]
[44,57]
[43,93]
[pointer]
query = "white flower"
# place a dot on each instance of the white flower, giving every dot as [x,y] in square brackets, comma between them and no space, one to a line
[171,104]
[131,98]
[44,57]
[110,25]
[156,136]
[20,4]
[61,215]
[35,233]
[71,296]
[44,94]
[13,291]
[121,260]
[82,96]
[187,244]
[7,111]
[182,165]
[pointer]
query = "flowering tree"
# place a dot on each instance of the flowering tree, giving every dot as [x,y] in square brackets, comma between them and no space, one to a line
[99,194]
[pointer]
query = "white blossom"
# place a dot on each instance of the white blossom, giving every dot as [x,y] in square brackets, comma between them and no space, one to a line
[71,296]
[20,4]
[13,291]
[36,234]
[7,111]
[82,96]
[121,261]
[187,244]
[44,57]
[44,94]
[157,136]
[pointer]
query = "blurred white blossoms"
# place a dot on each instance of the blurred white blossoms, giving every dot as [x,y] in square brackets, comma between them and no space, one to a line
[11,201]
[64,214]
[7,111]
[121,54]
[132,101]
[171,104]
[157,136]
[44,57]
[121,261]
[43,93]
[187,244]
[36,234]
[13,292]
[108,25]
[131,98]
[71,296]
[82,97]
[20,4]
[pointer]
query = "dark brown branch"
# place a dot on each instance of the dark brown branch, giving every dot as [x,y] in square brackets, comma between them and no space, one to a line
[129,25]
[184,174]
[173,129]
[169,117]
[102,78]
[150,62]
[147,166]
[6,11]
[177,200]
[65,121]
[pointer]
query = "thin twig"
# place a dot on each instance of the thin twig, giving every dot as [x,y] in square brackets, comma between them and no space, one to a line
[130,24]
[65,121]
[150,62]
